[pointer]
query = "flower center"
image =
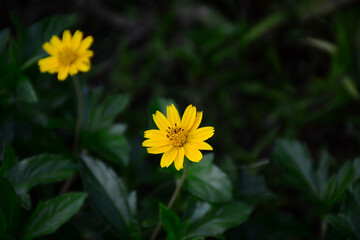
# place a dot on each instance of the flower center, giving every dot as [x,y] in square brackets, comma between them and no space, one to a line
[177,135]
[67,56]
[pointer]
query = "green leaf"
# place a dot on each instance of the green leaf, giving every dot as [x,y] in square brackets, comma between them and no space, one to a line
[108,197]
[25,91]
[336,186]
[351,210]
[171,223]
[341,224]
[50,215]
[322,172]
[41,32]
[102,115]
[263,26]
[217,220]
[8,159]
[39,169]
[9,207]
[208,182]
[109,143]
[20,30]
[4,38]
[296,161]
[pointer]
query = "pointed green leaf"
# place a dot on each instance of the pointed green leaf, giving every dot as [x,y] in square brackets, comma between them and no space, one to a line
[25,91]
[336,186]
[4,38]
[171,223]
[296,161]
[108,197]
[208,182]
[8,159]
[50,215]
[102,115]
[9,207]
[218,219]
[108,143]
[39,169]
[341,225]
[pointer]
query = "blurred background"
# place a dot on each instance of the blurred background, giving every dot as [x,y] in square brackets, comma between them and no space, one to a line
[260,70]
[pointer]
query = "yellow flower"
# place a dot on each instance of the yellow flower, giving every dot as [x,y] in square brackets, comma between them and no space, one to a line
[176,138]
[67,56]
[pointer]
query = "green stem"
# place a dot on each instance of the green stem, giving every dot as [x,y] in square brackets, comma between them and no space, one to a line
[79,118]
[173,198]
[80,111]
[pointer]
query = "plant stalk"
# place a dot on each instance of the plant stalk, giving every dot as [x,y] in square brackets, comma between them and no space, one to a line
[80,112]
[79,118]
[173,198]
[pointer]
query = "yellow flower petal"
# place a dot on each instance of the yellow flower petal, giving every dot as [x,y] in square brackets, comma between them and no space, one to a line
[201,134]
[189,117]
[196,122]
[168,157]
[66,38]
[86,43]
[73,70]
[47,64]
[192,153]
[173,115]
[155,142]
[200,145]
[76,40]
[49,48]
[161,149]
[179,160]
[63,73]
[83,66]
[155,134]
[161,121]
[55,42]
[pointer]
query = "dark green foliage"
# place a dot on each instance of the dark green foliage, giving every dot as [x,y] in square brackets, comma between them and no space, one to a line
[50,215]
[278,80]
[9,208]
[108,196]
[37,170]
[171,222]
[214,220]
[208,182]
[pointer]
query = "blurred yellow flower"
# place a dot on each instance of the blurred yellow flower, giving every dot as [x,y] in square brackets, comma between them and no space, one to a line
[176,138]
[67,56]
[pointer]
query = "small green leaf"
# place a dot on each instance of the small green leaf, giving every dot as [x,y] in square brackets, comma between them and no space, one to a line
[208,182]
[341,225]
[39,169]
[8,159]
[108,197]
[322,172]
[218,219]
[336,186]
[102,115]
[25,91]
[296,161]
[50,215]
[108,143]
[171,222]
[9,207]
[4,38]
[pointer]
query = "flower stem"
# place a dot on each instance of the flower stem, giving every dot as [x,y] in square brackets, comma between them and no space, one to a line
[80,111]
[173,198]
